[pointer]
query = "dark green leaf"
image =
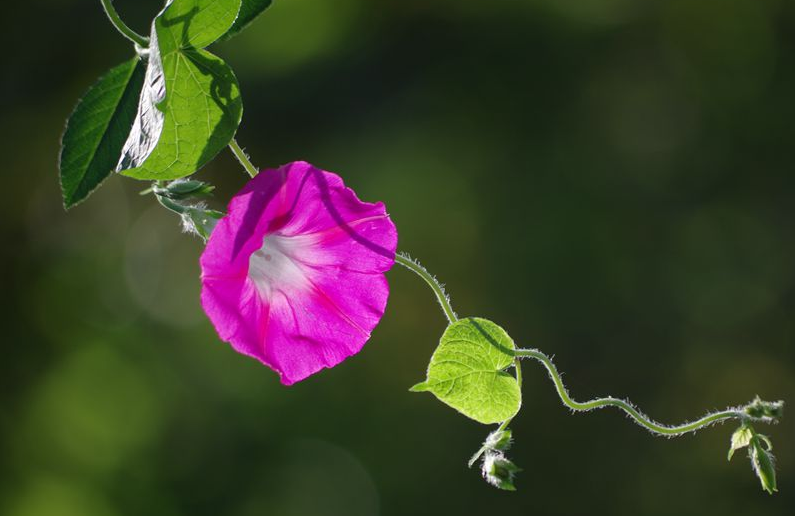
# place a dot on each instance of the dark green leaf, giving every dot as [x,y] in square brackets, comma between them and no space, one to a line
[249,10]
[97,130]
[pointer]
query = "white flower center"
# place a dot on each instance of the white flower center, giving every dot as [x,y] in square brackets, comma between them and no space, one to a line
[273,266]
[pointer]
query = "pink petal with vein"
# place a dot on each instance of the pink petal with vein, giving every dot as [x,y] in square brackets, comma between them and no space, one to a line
[293,275]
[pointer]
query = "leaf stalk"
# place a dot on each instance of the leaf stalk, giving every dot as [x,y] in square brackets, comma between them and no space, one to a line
[122,27]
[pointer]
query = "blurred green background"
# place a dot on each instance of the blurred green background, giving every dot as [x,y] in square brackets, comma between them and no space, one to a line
[610,180]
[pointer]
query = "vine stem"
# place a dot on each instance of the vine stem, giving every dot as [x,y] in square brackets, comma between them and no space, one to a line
[243,158]
[122,27]
[438,289]
[634,413]
[444,301]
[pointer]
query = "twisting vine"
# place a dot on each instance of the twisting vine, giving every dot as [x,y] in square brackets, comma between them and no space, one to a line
[146,121]
[499,471]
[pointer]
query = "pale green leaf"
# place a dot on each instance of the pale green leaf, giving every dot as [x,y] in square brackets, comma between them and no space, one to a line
[97,130]
[467,371]
[740,439]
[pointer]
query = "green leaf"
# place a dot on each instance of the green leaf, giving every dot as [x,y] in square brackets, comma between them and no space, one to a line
[190,106]
[202,111]
[97,130]
[467,371]
[195,23]
[740,439]
[249,10]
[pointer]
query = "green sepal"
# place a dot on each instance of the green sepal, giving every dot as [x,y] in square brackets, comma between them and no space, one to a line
[182,189]
[499,471]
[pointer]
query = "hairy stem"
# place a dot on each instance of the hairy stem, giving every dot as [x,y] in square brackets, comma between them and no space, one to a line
[243,158]
[517,364]
[122,27]
[438,288]
[635,414]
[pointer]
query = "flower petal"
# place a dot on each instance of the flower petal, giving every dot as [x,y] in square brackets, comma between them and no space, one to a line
[319,299]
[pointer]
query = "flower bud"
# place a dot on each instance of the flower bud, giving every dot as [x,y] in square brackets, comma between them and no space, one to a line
[199,220]
[761,409]
[763,463]
[184,188]
[499,471]
[499,440]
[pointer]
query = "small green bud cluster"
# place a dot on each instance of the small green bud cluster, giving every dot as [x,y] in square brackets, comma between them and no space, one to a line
[764,410]
[497,469]
[196,218]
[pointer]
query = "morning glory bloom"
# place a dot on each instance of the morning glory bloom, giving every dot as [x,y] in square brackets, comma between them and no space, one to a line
[293,275]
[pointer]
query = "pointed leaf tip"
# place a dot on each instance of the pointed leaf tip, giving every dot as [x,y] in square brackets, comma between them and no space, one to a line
[420,387]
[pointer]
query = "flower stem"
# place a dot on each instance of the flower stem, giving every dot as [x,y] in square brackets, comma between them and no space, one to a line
[634,413]
[122,27]
[438,288]
[242,158]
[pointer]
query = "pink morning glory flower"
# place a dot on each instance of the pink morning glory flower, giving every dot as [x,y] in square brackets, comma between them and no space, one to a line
[293,275]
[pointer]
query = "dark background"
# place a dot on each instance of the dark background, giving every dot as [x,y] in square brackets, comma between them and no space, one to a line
[610,180]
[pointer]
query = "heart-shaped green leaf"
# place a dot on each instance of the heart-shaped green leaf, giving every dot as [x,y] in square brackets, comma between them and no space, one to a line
[467,371]
[97,129]
[190,105]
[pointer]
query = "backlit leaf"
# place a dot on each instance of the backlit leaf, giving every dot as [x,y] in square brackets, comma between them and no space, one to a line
[468,371]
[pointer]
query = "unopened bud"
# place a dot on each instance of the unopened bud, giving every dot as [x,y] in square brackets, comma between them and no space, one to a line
[765,409]
[499,471]
[200,221]
[763,463]
[182,189]
[499,440]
